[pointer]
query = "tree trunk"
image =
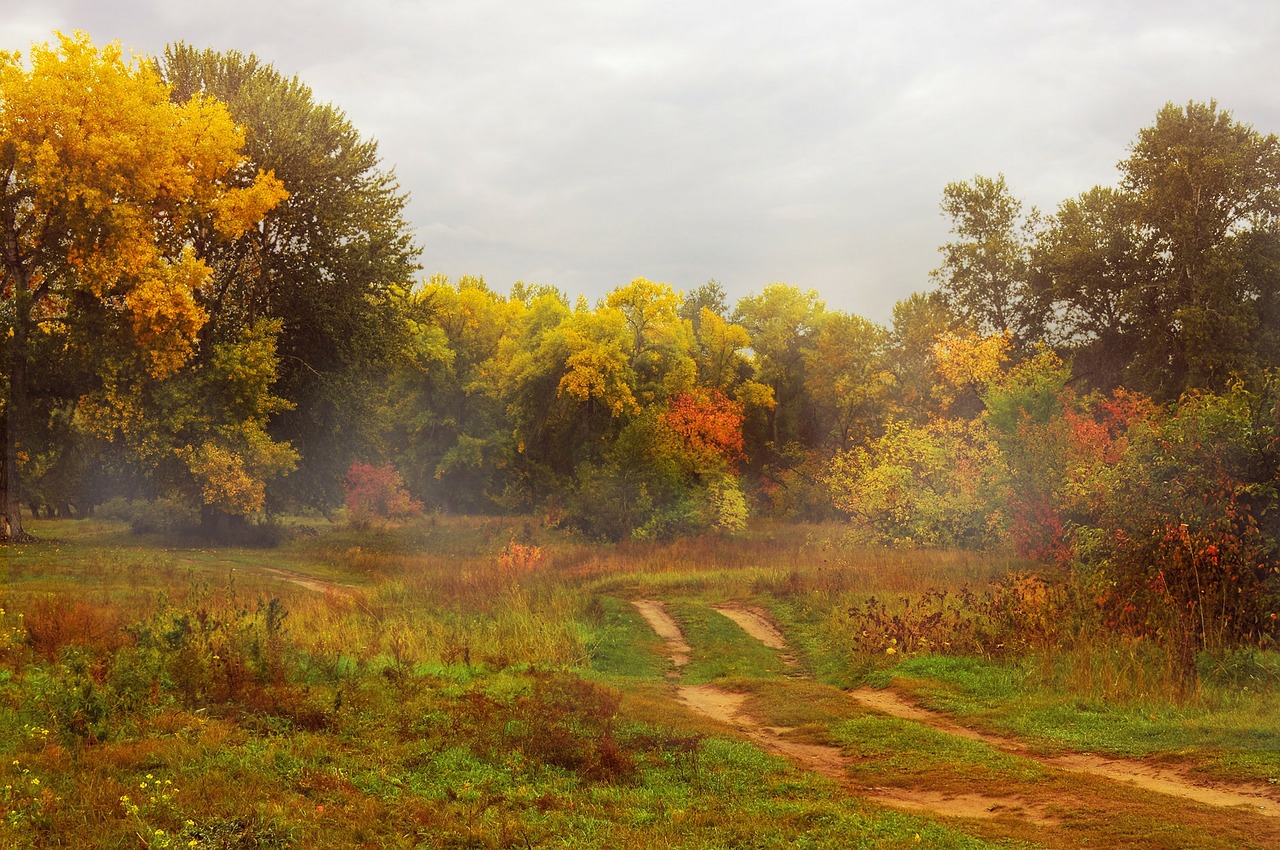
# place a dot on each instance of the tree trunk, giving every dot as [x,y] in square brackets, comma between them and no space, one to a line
[16,421]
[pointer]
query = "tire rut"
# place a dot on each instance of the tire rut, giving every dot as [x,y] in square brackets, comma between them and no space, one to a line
[727,707]
[1151,777]
[655,614]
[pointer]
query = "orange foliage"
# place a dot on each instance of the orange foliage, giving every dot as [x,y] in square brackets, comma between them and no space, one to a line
[709,423]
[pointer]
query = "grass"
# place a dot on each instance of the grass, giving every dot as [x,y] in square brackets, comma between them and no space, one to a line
[417,691]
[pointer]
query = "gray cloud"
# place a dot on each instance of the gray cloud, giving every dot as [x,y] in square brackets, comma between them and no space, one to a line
[583,144]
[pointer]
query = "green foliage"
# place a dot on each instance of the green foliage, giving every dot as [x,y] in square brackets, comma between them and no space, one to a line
[326,264]
[984,275]
[782,322]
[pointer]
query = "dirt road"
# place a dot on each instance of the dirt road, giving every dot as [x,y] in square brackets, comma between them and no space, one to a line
[730,708]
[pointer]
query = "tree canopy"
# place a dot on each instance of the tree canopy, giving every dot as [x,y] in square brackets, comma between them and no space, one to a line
[104,177]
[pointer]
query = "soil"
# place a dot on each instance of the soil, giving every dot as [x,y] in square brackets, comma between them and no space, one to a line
[727,707]
[655,614]
[309,582]
[757,623]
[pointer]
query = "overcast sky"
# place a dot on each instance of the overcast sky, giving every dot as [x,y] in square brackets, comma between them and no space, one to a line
[583,144]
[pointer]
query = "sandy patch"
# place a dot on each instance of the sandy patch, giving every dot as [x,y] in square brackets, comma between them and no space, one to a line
[655,614]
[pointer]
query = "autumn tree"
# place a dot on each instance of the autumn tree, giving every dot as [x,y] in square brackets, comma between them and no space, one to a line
[918,321]
[330,263]
[661,340]
[710,296]
[847,379]
[449,429]
[937,484]
[103,175]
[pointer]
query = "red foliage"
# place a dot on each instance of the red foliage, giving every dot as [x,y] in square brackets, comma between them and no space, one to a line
[377,492]
[1059,461]
[709,423]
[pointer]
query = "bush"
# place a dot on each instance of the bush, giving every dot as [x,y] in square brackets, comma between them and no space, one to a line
[377,493]
[152,516]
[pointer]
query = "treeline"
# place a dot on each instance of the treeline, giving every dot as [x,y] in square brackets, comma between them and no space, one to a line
[212,304]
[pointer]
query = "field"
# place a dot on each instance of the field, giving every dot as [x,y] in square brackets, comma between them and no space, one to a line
[490,683]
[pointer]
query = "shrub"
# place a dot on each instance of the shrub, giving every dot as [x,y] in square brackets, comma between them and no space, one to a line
[152,516]
[377,493]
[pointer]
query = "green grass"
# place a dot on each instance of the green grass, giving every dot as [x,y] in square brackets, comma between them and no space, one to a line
[1235,738]
[720,648]
[622,644]
[903,750]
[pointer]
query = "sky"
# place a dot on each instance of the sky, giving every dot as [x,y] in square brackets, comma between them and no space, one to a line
[583,144]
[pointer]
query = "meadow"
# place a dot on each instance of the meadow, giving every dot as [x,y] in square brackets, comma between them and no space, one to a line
[480,682]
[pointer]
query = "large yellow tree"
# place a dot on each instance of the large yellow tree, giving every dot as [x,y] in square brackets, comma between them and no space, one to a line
[100,177]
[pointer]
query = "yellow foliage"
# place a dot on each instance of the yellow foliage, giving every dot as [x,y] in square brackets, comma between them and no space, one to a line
[755,395]
[233,467]
[596,366]
[239,209]
[104,170]
[225,482]
[164,312]
[965,359]
[596,372]
[721,345]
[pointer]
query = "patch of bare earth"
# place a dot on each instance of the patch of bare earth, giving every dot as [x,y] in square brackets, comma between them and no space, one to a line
[727,707]
[655,614]
[757,623]
[309,582]
[1159,778]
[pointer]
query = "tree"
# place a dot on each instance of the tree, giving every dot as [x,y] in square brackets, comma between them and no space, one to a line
[1204,185]
[1094,265]
[709,296]
[201,433]
[1184,524]
[939,484]
[781,322]
[984,272]
[331,263]
[846,378]
[918,321]
[448,428]
[662,342]
[103,177]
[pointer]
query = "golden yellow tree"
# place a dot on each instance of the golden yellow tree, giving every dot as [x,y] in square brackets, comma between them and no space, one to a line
[100,176]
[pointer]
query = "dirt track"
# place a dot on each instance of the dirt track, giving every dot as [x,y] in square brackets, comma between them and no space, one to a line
[756,622]
[309,582]
[655,614]
[728,707]
[1164,780]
